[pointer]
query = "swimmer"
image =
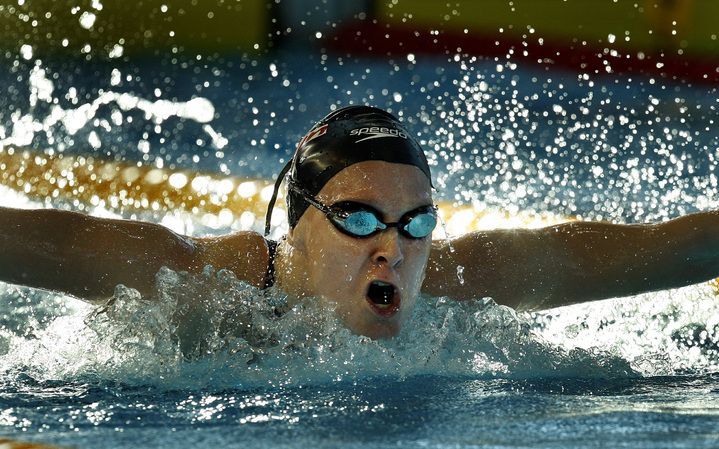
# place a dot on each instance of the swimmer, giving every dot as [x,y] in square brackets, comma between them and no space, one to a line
[361,216]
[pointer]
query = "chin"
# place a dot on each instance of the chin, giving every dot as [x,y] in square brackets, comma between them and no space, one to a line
[377,331]
[376,321]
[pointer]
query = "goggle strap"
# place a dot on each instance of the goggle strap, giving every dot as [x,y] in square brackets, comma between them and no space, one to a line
[309,198]
[271,204]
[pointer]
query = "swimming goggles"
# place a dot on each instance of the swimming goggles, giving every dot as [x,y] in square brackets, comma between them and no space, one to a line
[360,220]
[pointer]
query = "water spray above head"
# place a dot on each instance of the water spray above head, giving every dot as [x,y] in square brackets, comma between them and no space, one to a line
[344,137]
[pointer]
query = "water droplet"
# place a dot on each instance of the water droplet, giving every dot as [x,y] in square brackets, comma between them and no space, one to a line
[26,52]
[116,51]
[87,20]
[460,274]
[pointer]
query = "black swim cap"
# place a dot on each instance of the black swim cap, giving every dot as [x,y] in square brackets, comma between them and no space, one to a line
[344,137]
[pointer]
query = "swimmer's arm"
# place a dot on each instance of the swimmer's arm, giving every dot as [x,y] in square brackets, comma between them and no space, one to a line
[577,261]
[87,257]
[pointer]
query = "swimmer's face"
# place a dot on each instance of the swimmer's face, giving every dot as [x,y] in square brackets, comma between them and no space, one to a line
[348,273]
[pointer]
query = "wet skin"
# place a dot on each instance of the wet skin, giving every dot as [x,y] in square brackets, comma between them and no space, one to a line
[318,260]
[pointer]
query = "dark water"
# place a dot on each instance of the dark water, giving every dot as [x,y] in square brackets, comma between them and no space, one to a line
[423,411]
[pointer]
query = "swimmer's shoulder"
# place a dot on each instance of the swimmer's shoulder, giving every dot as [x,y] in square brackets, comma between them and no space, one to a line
[245,253]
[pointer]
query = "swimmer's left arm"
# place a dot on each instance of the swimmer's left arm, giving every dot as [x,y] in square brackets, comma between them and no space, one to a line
[577,261]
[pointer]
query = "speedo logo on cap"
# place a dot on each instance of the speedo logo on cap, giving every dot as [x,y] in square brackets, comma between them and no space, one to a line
[376,132]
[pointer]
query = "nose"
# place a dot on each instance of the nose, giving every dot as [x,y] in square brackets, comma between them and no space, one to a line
[389,248]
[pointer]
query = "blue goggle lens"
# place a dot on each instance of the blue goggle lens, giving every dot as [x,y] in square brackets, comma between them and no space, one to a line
[421,225]
[363,223]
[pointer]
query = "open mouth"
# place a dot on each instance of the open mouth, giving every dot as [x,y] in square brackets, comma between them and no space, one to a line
[383,297]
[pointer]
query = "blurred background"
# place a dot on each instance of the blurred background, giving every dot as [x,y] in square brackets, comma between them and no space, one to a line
[602,109]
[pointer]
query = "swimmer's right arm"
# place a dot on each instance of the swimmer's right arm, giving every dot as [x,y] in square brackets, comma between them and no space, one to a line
[88,257]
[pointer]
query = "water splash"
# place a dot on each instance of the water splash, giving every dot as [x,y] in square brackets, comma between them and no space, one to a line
[622,149]
[26,126]
[663,333]
[211,329]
